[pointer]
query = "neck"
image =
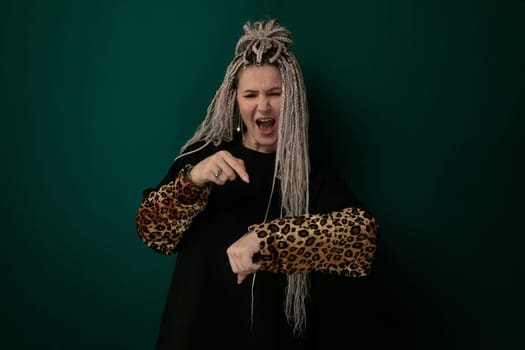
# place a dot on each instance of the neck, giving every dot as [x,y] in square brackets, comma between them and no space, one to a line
[255,146]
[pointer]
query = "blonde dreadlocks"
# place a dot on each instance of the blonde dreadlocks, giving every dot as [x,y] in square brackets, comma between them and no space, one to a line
[267,42]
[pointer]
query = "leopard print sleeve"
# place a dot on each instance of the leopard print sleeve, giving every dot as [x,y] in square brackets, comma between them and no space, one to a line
[341,242]
[165,214]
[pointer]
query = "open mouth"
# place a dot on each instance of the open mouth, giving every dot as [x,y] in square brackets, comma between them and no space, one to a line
[265,123]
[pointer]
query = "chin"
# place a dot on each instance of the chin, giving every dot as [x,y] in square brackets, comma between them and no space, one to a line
[267,143]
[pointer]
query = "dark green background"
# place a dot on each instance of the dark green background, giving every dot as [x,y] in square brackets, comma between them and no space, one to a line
[422,102]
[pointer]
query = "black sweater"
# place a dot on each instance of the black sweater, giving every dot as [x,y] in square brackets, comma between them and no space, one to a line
[205,305]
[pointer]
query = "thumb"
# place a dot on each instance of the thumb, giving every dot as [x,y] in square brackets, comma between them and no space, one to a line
[241,277]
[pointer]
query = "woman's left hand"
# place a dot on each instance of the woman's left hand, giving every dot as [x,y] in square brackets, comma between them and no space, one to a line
[241,255]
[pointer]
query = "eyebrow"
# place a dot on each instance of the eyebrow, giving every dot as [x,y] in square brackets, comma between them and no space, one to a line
[269,90]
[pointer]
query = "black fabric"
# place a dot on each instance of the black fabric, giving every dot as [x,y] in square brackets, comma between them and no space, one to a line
[205,304]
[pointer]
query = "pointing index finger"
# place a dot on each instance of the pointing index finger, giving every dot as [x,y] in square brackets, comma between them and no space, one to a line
[237,165]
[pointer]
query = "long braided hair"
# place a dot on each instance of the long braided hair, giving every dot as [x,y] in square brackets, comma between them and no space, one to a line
[267,42]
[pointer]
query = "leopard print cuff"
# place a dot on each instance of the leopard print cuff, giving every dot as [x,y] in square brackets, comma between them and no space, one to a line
[186,190]
[342,242]
[167,213]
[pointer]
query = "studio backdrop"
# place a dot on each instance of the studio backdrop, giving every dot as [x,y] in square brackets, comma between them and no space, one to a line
[418,103]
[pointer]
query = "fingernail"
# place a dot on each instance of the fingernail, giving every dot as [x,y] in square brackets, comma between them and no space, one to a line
[246,179]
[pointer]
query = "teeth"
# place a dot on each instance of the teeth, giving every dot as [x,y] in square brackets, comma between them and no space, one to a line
[265,123]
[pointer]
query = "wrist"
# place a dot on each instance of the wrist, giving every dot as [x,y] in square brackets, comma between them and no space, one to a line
[192,183]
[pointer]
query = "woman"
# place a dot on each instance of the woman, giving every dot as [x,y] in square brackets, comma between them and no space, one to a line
[243,200]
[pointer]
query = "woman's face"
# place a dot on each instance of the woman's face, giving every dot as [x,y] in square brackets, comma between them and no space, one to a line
[259,101]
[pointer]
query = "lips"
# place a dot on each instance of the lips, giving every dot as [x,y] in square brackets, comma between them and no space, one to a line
[265,122]
[266,126]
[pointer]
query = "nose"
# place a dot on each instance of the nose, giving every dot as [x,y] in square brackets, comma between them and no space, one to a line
[263,105]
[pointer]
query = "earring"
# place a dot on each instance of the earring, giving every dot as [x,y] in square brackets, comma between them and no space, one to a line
[239,125]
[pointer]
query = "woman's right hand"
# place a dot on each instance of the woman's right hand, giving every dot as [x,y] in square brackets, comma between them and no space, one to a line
[218,168]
